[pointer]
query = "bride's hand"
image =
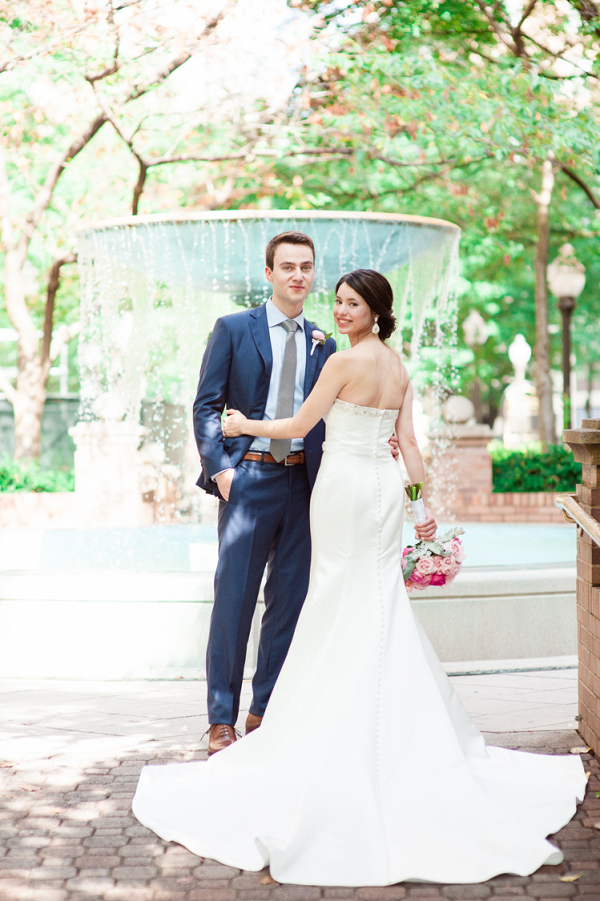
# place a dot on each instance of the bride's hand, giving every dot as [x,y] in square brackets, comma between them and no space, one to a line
[233,426]
[427,529]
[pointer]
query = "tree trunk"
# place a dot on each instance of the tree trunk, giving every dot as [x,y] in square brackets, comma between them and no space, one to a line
[29,395]
[28,406]
[547,428]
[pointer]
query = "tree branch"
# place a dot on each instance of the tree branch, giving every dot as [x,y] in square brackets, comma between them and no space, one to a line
[8,236]
[139,187]
[502,35]
[560,56]
[7,388]
[179,60]
[109,70]
[64,335]
[53,284]
[526,13]
[43,48]
[201,158]
[580,182]
[44,197]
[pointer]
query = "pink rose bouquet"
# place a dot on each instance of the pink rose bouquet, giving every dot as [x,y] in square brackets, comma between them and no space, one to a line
[434,562]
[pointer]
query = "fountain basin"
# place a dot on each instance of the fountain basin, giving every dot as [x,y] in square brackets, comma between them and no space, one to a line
[152,288]
[130,604]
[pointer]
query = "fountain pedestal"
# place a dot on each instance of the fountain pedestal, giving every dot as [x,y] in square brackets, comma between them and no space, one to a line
[464,470]
[108,468]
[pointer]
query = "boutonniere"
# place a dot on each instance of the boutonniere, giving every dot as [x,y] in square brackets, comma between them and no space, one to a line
[318,338]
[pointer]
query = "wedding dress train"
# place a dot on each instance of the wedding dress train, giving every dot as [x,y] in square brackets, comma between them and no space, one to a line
[366,770]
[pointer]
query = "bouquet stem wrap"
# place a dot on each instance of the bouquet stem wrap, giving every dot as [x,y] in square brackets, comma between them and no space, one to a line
[414,493]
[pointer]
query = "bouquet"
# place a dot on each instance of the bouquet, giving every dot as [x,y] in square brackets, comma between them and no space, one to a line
[434,562]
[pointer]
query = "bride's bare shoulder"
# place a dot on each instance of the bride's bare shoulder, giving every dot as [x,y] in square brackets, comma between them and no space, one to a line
[396,358]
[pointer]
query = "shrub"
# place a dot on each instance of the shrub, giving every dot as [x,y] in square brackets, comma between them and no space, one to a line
[16,476]
[534,469]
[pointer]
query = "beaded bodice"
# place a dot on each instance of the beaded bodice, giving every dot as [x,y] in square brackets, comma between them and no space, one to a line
[358,430]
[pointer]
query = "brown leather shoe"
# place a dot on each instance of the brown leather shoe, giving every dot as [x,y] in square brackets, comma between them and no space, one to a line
[220,736]
[252,723]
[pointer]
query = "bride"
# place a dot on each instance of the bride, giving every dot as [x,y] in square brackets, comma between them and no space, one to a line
[364,736]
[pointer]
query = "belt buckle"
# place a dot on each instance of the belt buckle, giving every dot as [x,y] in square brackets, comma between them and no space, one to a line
[285,460]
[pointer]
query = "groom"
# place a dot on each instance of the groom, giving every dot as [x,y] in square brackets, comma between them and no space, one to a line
[263,362]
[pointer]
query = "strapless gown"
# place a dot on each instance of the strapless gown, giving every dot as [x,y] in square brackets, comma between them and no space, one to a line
[367,769]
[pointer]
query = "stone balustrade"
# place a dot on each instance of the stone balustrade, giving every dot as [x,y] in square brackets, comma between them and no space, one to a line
[585,444]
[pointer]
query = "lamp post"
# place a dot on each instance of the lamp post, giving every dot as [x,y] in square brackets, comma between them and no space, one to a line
[566,280]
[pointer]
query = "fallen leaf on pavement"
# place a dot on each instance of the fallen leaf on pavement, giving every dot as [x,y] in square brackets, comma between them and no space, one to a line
[31,788]
[268,880]
[570,877]
[581,749]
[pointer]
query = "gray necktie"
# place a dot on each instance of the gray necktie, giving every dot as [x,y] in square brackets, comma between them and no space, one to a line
[280,447]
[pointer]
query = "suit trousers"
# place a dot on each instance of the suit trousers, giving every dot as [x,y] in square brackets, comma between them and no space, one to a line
[265,523]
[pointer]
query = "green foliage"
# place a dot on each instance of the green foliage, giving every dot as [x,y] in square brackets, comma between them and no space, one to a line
[534,469]
[22,477]
[433,115]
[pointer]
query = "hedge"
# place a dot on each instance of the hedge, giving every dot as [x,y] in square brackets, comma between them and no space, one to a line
[28,477]
[533,469]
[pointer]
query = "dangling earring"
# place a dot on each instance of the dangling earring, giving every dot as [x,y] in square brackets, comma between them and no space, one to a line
[375,328]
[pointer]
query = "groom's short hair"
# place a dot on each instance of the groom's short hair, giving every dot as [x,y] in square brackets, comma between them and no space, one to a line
[287,238]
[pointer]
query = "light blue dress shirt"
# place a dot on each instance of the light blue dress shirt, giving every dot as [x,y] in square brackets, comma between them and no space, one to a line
[278,337]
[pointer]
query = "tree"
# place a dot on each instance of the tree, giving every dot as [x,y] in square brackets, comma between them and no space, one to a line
[438,109]
[107,59]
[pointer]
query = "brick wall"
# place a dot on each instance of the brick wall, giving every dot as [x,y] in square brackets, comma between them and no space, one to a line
[517,507]
[472,498]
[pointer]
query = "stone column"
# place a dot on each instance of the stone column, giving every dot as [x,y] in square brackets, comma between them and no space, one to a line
[108,475]
[585,444]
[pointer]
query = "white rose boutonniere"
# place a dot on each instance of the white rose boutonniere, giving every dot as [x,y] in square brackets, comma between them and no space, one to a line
[318,337]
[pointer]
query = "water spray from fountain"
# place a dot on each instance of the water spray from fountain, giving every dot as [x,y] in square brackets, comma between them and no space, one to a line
[152,288]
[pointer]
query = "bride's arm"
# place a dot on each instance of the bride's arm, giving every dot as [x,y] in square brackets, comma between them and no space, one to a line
[331,381]
[413,461]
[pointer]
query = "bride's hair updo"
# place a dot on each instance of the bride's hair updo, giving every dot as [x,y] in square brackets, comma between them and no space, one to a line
[376,291]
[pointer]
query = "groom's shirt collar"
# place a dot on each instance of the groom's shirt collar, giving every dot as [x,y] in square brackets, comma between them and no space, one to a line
[275,316]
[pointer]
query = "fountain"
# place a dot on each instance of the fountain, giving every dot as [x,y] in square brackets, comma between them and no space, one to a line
[152,288]
[118,583]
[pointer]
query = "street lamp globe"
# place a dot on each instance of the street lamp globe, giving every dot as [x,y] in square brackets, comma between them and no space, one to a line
[475,329]
[566,275]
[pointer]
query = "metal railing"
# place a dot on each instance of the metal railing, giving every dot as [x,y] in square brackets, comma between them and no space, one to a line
[573,512]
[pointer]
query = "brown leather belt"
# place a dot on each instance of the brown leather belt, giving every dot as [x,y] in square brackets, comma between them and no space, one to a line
[264,457]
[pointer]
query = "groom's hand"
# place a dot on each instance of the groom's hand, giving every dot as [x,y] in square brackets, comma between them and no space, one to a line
[224,480]
[393,442]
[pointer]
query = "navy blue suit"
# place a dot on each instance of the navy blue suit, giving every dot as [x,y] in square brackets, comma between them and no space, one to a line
[266,519]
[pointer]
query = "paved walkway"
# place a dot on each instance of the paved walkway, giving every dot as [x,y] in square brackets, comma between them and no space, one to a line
[71,753]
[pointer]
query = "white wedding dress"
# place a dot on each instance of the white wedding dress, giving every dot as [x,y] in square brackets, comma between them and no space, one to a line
[366,770]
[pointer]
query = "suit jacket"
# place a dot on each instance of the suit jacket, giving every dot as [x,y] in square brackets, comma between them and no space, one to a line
[235,373]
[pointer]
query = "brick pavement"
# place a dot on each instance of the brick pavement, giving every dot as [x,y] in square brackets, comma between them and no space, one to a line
[70,836]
